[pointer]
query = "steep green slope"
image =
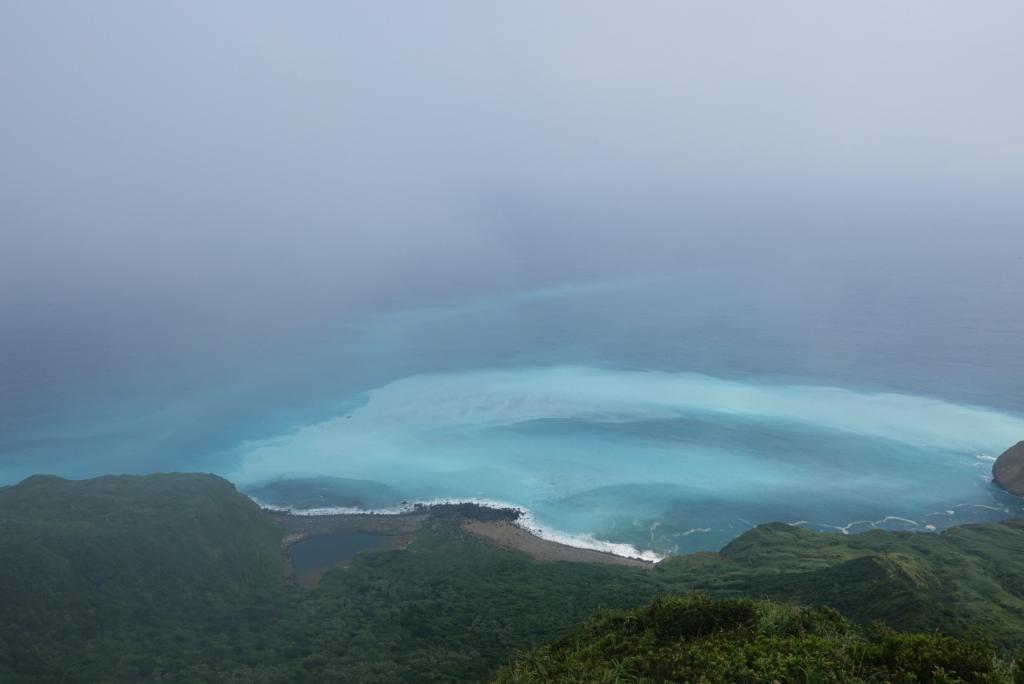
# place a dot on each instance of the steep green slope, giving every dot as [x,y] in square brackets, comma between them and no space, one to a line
[965,581]
[115,565]
[696,639]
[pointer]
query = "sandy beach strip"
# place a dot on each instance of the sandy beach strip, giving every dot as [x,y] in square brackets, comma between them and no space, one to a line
[495,527]
[508,536]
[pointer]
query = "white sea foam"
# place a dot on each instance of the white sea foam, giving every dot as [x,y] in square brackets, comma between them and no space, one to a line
[875,524]
[890,518]
[585,541]
[848,528]
[1001,509]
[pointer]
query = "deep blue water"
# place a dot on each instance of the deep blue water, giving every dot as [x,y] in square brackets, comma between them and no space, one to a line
[666,414]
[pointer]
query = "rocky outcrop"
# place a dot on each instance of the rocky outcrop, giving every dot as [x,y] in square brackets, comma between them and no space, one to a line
[1008,470]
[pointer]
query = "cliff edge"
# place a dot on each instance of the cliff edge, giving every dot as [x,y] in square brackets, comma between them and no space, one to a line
[1008,470]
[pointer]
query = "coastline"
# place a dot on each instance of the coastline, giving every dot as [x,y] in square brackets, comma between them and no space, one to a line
[498,525]
[509,536]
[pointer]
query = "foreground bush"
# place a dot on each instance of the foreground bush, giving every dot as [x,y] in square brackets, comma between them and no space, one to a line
[697,639]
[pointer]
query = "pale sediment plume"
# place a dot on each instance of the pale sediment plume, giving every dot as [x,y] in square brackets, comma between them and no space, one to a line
[633,462]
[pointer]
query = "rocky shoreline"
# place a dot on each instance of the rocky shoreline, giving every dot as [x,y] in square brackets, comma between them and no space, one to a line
[493,525]
[1008,470]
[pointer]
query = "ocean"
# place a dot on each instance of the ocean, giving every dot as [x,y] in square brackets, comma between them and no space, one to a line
[640,414]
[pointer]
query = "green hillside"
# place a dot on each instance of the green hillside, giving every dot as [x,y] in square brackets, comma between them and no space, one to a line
[98,575]
[966,581]
[697,639]
[181,578]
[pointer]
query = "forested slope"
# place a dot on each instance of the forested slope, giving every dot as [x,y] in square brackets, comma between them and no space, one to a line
[697,639]
[967,580]
[96,571]
[181,578]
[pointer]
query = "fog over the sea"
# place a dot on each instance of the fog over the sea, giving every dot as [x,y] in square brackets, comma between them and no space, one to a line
[233,160]
[222,222]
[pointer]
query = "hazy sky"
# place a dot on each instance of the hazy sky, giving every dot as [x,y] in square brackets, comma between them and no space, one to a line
[209,159]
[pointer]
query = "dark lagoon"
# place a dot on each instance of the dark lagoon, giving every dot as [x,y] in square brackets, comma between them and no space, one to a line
[314,556]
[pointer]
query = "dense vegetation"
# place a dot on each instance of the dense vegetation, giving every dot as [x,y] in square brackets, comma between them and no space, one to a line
[966,581]
[696,639]
[179,577]
[111,576]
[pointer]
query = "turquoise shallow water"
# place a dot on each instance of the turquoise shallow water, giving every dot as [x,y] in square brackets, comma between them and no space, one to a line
[662,462]
[639,416]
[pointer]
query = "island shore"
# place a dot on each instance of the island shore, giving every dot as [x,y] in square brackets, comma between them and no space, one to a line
[491,525]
